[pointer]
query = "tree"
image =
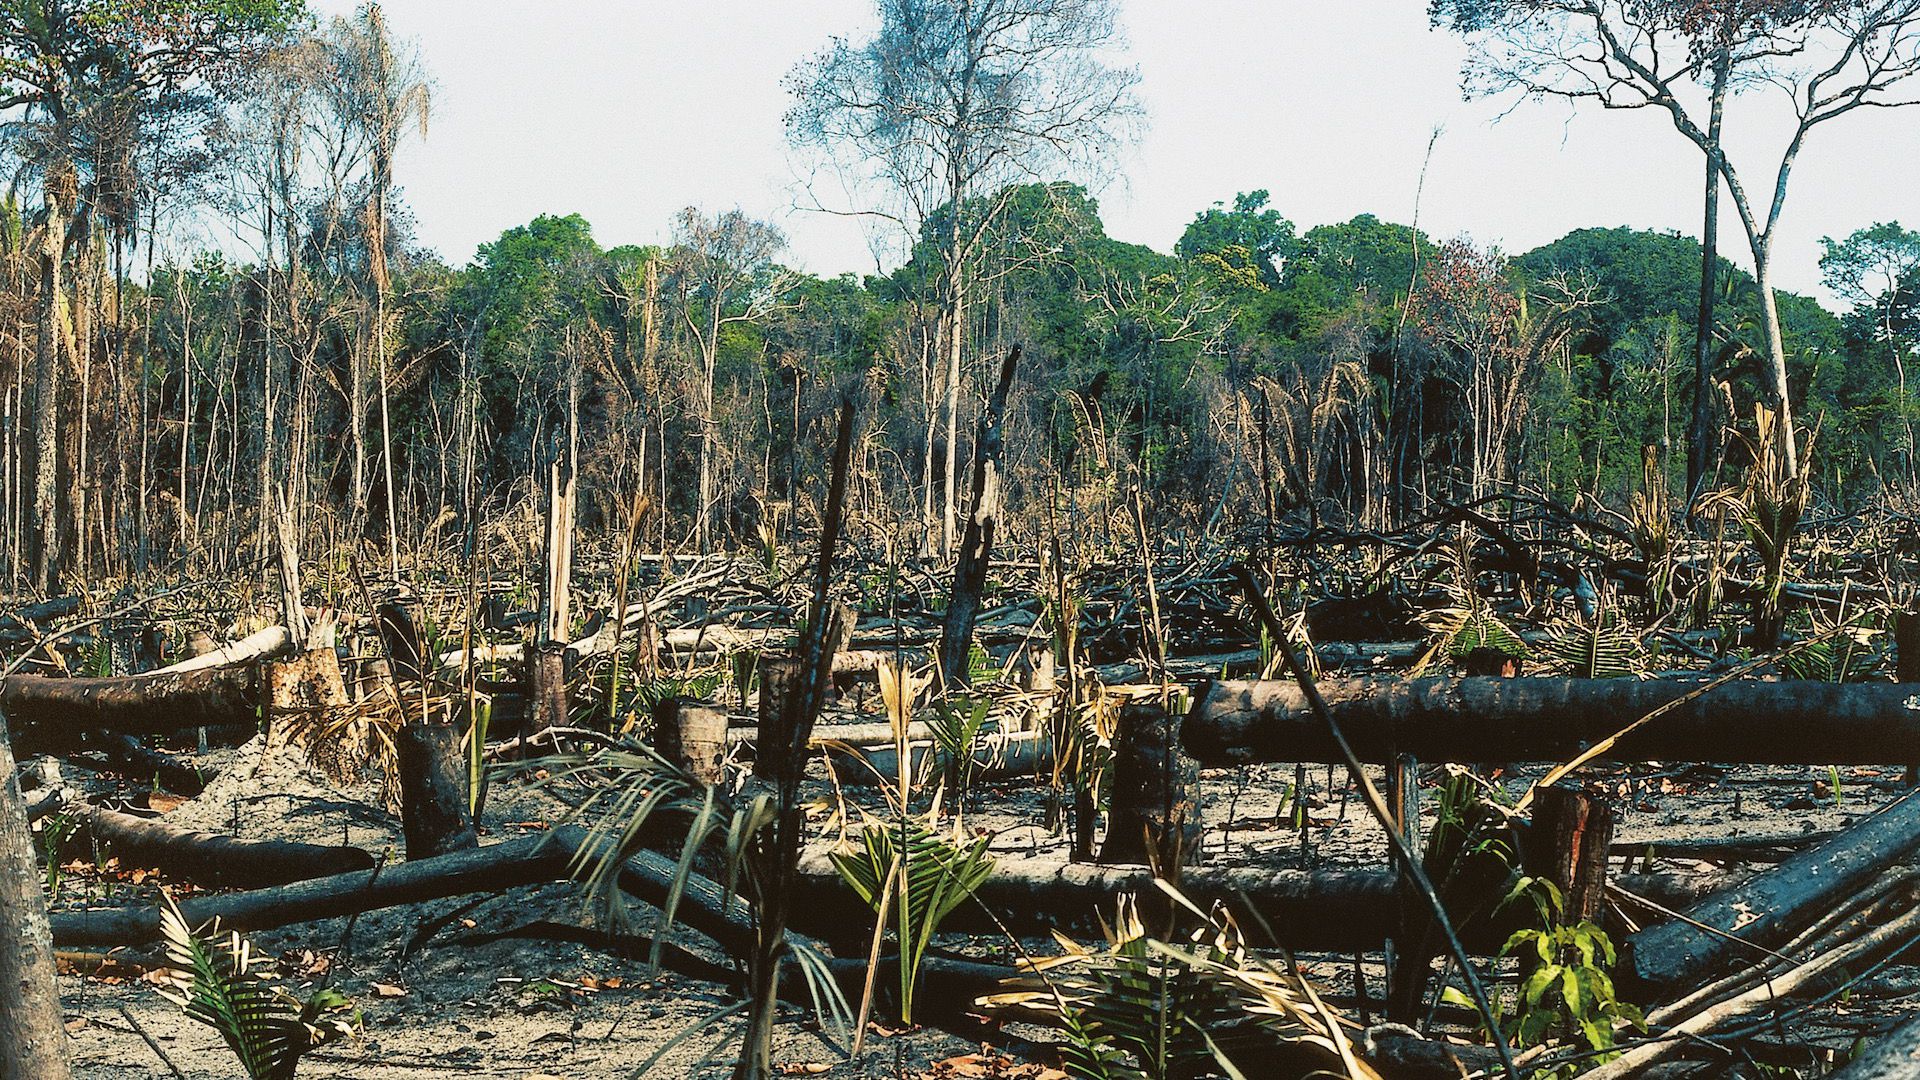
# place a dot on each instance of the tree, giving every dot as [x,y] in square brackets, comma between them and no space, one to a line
[381,90]
[1877,270]
[1830,56]
[74,76]
[1251,226]
[953,98]
[724,276]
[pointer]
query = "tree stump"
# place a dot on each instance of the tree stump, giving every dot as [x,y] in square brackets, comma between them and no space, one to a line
[434,798]
[1154,815]
[399,623]
[1567,845]
[547,686]
[692,735]
[777,677]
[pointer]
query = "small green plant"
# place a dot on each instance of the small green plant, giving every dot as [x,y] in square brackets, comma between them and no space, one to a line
[921,876]
[958,723]
[268,1029]
[59,829]
[742,665]
[1568,988]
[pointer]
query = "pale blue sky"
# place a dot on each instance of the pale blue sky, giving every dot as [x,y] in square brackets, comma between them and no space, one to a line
[627,110]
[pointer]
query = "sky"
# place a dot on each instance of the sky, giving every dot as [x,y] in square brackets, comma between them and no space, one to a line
[626,111]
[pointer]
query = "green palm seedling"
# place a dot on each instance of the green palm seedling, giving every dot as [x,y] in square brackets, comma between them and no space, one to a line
[921,875]
[268,1029]
[957,727]
[1770,506]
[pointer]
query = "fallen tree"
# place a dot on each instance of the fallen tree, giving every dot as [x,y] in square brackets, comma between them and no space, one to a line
[1743,921]
[1494,720]
[153,704]
[207,858]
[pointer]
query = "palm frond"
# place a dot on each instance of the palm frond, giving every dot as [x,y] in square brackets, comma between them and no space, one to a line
[268,1029]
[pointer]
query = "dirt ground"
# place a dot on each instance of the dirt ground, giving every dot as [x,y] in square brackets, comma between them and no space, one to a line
[440,994]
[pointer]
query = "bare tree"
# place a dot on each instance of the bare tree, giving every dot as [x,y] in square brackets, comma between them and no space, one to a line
[381,90]
[723,275]
[952,99]
[1828,57]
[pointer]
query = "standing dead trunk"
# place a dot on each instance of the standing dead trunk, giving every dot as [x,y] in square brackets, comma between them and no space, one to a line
[976,550]
[434,807]
[49,366]
[1155,813]
[1701,441]
[693,736]
[33,1036]
[1567,845]
[548,672]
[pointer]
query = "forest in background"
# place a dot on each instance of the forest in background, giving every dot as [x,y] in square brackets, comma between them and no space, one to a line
[1362,372]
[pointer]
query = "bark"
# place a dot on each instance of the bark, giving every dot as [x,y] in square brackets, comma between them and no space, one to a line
[400,633]
[211,859]
[1154,815]
[1489,720]
[490,869]
[434,808]
[137,762]
[976,548]
[45,537]
[269,644]
[33,1037]
[1766,909]
[547,678]
[1317,910]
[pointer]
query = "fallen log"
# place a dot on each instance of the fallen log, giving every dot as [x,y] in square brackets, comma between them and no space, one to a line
[1759,913]
[136,761]
[489,869]
[1018,753]
[1893,1056]
[207,858]
[1493,720]
[1330,910]
[156,703]
[268,644]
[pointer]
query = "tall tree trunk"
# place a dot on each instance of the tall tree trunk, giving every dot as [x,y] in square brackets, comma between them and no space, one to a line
[46,383]
[1777,356]
[956,327]
[1701,440]
[33,1036]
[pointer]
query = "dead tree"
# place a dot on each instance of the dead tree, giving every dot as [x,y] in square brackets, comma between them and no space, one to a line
[435,811]
[1742,921]
[1154,816]
[976,548]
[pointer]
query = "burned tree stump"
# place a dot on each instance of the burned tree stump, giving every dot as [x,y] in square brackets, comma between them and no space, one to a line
[547,686]
[1155,814]
[1567,845]
[399,623]
[692,735]
[435,807]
